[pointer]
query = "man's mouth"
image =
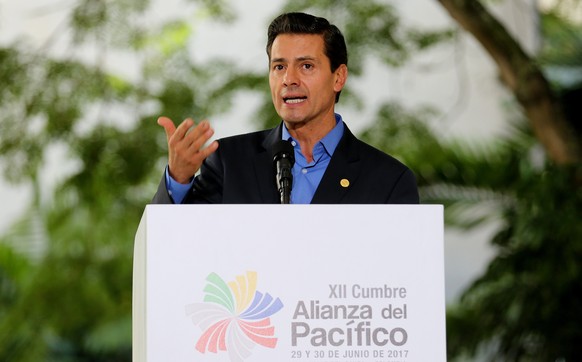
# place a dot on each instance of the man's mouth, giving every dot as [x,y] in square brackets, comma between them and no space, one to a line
[294,100]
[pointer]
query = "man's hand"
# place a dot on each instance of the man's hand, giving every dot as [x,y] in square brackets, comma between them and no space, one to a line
[186,149]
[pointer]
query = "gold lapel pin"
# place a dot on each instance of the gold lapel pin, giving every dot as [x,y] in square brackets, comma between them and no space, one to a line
[345,182]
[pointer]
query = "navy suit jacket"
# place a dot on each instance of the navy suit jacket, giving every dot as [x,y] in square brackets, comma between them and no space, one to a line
[241,172]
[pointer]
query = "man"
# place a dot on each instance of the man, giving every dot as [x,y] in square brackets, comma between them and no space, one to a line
[307,71]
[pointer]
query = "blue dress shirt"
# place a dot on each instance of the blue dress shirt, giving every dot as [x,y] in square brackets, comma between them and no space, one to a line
[306,175]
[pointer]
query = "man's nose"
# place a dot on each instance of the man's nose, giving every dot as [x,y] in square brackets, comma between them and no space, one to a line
[291,77]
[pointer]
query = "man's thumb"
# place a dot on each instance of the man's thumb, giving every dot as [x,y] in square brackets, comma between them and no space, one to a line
[168,125]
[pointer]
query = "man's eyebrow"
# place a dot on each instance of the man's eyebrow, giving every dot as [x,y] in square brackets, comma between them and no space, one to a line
[300,59]
[306,57]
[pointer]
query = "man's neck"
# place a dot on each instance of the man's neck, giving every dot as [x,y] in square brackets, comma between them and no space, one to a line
[309,134]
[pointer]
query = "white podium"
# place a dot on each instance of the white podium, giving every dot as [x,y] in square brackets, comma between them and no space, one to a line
[234,283]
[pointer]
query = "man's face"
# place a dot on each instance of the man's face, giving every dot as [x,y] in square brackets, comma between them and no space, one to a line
[303,87]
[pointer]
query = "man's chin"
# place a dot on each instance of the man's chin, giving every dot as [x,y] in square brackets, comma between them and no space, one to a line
[291,121]
[291,117]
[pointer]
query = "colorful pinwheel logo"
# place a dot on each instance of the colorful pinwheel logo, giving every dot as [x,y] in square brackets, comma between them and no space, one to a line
[234,316]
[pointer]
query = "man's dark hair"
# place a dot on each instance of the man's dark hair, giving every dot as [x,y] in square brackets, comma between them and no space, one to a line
[300,23]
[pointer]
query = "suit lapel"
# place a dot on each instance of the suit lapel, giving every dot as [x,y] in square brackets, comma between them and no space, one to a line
[343,170]
[343,166]
[263,165]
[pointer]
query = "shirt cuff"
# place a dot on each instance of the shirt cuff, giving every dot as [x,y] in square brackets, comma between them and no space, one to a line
[176,190]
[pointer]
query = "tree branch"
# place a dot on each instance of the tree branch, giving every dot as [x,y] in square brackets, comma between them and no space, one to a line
[523,77]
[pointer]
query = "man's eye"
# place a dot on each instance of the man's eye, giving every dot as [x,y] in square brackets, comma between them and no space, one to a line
[307,66]
[278,67]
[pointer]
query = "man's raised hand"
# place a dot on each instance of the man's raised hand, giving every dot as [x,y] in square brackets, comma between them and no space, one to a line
[186,150]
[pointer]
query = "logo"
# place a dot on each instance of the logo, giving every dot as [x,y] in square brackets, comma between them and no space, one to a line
[234,316]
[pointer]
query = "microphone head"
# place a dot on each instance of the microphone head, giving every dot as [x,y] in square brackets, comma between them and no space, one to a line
[283,150]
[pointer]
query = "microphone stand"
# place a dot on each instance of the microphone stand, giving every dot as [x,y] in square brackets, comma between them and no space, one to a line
[283,160]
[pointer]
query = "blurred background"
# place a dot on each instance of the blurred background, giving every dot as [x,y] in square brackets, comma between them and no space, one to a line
[482,99]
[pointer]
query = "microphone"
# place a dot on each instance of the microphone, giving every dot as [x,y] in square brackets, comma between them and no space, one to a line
[283,160]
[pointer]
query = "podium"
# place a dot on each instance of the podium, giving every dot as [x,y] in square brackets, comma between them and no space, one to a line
[258,283]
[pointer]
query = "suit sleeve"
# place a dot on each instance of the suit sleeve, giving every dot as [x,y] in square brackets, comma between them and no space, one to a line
[405,190]
[162,196]
[208,185]
[206,188]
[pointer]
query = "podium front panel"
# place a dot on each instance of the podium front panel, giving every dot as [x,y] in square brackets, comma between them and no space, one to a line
[234,283]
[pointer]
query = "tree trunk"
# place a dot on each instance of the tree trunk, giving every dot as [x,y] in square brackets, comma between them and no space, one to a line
[523,77]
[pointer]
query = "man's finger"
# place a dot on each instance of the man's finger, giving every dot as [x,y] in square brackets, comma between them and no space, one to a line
[168,125]
[183,129]
[210,149]
[195,133]
[201,135]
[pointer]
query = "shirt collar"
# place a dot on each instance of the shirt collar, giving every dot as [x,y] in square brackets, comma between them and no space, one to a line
[330,140]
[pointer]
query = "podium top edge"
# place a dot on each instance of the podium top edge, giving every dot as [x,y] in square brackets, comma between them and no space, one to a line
[417,206]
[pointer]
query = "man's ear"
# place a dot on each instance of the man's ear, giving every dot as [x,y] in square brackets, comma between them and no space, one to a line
[341,76]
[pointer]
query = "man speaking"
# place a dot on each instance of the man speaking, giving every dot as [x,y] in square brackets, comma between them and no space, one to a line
[311,157]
